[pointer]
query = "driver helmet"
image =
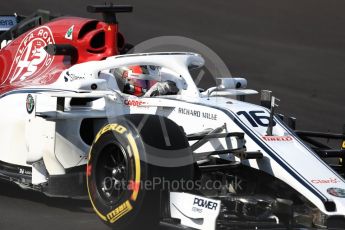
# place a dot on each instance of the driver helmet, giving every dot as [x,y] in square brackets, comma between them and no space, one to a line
[136,80]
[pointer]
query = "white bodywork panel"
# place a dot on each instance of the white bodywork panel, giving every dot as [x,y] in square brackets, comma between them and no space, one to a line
[13,136]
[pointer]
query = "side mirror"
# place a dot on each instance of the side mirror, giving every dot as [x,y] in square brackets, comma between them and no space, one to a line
[231,83]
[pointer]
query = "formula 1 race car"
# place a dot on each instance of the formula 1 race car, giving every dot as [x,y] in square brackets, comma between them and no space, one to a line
[181,157]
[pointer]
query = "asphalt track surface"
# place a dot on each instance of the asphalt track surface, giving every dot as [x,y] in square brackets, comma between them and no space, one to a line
[296,48]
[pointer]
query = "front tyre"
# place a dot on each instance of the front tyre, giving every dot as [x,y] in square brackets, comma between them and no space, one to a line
[121,172]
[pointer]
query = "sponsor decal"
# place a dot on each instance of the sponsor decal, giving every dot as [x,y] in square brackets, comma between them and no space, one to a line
[196,113]
[111,127]
[31,59]
[209,116]
[24,172]
[30,103]
[134,102]
[119,212]
[69,77]
[337,192]
[277,138]
[69,33]
[198,210]
[326,181]
[189,112]
[203,203]
[7,22]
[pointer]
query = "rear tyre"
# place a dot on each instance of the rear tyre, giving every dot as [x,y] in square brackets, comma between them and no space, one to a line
[128,163]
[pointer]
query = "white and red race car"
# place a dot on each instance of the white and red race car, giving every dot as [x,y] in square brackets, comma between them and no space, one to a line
[186,158]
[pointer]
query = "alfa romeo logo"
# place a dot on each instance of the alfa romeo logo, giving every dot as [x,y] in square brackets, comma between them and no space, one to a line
[30,103]
[31,59]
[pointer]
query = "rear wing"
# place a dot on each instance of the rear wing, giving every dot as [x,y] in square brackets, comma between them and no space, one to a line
[7,22]
[12,26]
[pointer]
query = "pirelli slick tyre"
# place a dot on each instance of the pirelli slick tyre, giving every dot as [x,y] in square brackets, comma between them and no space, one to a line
[130,161]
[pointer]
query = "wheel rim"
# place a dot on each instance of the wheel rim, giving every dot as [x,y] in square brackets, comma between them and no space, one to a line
[112,174]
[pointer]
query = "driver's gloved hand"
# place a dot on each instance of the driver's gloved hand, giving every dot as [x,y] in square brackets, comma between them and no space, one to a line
[162,88]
